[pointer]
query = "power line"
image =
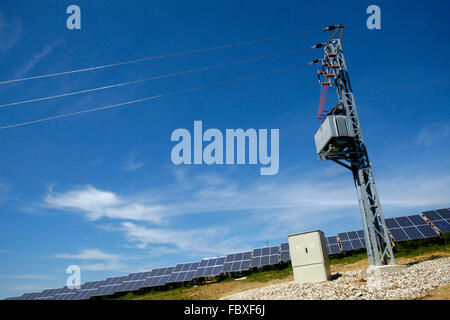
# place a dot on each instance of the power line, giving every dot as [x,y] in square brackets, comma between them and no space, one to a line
[214,84]
[158,57]
[168,75]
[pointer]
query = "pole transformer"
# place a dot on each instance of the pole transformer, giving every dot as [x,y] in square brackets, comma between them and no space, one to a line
[340,139]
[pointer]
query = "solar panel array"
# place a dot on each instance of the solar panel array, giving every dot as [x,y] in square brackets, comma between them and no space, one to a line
[400,228]
[352,240]
[265,256]
[237,262]
[409,228]
[285,256]
[332,245]
[111,285]
[439,218]
[184,272]
[210,267]
[158,277]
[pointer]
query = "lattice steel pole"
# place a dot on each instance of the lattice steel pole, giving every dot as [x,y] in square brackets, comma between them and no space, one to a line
[351,152]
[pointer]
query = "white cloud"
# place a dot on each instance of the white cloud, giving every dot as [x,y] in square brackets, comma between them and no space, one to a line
[96,204]
[27,287]
[6,251]
[10,32]
[36,58]
[4,191]
[106,261]
[26,276]
[89,254]
[433,133]
[188,241]
[131,162]
[260,209]
[107,266]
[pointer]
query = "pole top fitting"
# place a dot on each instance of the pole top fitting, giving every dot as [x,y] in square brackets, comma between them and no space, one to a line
[319,45]
[333,27]
[315,61]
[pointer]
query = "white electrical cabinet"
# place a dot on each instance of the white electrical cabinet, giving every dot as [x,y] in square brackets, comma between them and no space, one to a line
[333,128]
[309,257]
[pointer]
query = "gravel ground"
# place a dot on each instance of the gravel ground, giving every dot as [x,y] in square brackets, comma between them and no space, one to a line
[410,283]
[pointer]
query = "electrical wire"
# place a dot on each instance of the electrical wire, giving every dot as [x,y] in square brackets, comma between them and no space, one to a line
[158,57]
[169,75]
[214,84]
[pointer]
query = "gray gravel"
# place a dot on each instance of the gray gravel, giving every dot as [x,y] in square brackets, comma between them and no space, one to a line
[410,283]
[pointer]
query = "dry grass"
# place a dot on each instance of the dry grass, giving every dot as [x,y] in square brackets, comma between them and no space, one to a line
[217,290]
[211,291]
[441,293]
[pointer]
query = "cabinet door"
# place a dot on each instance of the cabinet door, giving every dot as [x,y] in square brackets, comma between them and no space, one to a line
[312,248]
[298,254]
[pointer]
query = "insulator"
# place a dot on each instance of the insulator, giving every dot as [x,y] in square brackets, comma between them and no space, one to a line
[331,55]
[325,83]
[317,46]
[333,27]
[326,64]
[321,73]
[315,61]
[335,66]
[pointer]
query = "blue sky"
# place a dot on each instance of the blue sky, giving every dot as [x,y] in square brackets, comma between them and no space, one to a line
[99,190]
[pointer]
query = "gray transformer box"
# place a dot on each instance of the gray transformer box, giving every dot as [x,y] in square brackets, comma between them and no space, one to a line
[333,129]
[309,257]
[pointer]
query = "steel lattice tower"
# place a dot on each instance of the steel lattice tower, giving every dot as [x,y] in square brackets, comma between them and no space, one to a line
[351,152]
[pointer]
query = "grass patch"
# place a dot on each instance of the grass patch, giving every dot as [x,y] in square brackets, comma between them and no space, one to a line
[419,247]
[348,257]
[181,293]
[270,274]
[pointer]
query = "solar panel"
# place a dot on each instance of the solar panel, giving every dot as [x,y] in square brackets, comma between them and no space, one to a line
[183,272]
[285,256]
[352,240]
[210,267]
[266,256]
[63,292]
[409,228]
[110,286]
[332,245]
[129,285]
[29,295]
[444,213]
[237,262]
[86,291]
[439,218]
[157,277]
[49,294]
[42,295]
[132,282]
[442,225]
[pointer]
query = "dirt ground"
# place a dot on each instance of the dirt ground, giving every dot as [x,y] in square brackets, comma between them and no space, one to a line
[441,293]
[218,290]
